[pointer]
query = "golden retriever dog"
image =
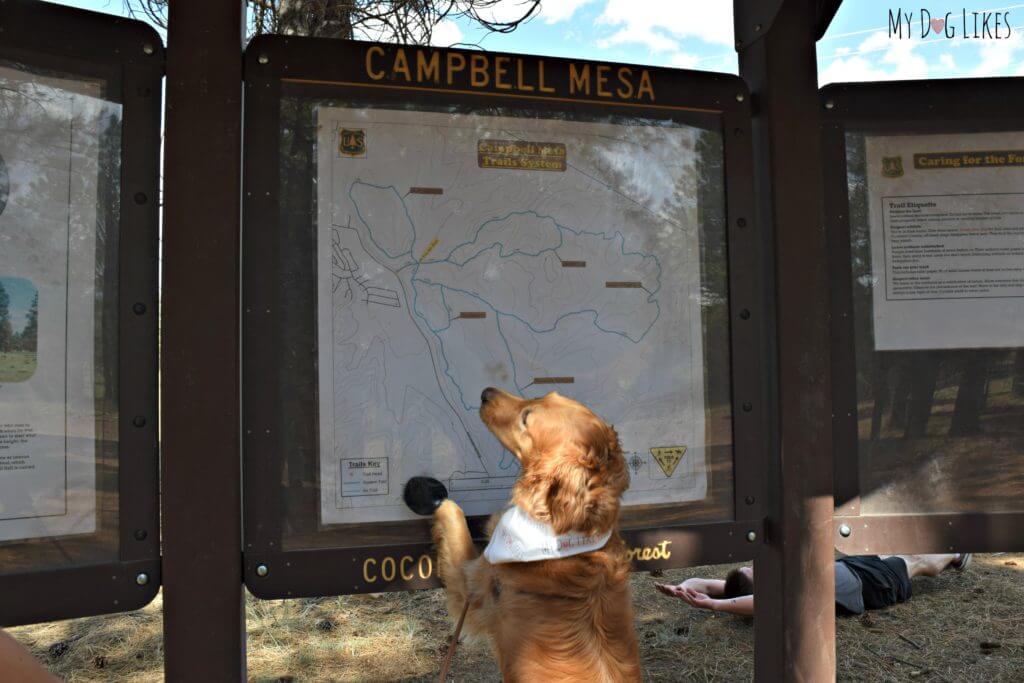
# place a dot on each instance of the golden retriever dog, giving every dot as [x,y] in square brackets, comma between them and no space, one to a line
[567,618]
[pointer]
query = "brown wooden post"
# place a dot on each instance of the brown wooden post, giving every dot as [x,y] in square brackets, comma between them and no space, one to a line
[204,618]
[795,619]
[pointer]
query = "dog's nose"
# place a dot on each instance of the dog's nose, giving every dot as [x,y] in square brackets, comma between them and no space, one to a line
[487,394]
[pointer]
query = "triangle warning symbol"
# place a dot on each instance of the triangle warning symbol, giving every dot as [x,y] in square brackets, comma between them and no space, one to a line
[668,457]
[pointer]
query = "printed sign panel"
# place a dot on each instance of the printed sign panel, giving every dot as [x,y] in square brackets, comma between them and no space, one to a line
[947,237]
[461,251]
[50,140]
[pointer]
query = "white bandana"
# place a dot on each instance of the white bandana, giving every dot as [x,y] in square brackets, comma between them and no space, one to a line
[520,538]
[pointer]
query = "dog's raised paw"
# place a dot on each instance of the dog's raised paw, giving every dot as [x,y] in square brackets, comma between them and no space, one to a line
[423,495]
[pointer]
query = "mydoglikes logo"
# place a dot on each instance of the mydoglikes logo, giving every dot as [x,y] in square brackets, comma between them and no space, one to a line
[963,24]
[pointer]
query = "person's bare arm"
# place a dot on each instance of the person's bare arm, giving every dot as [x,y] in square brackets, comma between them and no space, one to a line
[712,587]
[742,606]
[18,664]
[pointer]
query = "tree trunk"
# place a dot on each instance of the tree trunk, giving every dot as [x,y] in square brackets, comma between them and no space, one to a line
[1018,373]
[882,393]
[900,393]
[924,369]
[970,398]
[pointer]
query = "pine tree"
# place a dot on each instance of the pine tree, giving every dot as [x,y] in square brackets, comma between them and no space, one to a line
[6,332]
[29,335]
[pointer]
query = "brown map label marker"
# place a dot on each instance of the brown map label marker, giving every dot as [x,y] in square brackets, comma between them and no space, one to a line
[471,314]
[426,190]
[574,264]
[624,285]
[554,380]
[668,457]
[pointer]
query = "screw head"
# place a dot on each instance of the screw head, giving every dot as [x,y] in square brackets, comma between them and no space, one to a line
[829,104]
[757,28]
[142,579]
[262,570]
[140,198]
[740,97]
[749,500]
[751,536]
[148,49]
[745,314]
[139,421]
[138,308]
[741,222]
[845,530]
[263,59]
[747,407]
[140,534]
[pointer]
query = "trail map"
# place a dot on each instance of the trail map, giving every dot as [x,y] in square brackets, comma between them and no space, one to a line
[457,252]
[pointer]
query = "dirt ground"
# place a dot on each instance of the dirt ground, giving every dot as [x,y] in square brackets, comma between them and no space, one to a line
[959,627]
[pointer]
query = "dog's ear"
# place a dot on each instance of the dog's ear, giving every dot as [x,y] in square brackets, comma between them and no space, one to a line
[586,483]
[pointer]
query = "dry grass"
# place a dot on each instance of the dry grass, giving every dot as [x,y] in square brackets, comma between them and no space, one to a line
[17,366]
[958,627]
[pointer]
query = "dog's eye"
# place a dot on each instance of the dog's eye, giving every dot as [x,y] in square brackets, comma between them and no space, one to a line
[526,414]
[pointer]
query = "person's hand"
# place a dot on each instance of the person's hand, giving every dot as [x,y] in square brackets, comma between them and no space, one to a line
[670,590]
[698,599]
[688,595]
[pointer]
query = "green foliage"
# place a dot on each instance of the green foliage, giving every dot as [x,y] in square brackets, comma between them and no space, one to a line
[6,333]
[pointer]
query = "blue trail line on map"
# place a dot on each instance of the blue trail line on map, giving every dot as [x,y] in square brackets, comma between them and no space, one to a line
[416,264]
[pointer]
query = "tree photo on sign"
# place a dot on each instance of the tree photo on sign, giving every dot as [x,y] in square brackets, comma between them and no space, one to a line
[19,324]
[411,21]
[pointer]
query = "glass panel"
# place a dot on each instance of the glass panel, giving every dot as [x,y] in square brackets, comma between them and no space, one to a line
[461,248]
[937,240]
[60,150]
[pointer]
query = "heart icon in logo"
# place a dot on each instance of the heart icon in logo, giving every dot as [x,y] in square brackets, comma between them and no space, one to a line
[938,25]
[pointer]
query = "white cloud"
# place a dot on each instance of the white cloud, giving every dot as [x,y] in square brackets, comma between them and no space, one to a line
[946,60]
[1000,57]
[683,60]
[657,22]
[877,58]
[445,33]
[554,11]
[840,51]
[656,42]
[854,68]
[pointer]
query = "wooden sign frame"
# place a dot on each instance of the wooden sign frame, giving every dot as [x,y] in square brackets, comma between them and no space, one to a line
[128,57]
[277,67]
[898,107]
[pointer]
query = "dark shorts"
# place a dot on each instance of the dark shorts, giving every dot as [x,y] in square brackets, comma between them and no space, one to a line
[883,582]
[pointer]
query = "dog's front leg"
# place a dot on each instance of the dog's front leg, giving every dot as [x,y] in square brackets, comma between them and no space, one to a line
[455,552]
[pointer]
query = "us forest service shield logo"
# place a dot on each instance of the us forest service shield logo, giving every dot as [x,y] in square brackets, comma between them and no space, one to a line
[352,142]
[892,167]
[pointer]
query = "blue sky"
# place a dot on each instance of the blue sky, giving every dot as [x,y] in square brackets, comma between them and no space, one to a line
[698,34]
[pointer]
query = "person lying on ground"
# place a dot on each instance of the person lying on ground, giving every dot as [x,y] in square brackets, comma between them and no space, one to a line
[863,582]
[18,664]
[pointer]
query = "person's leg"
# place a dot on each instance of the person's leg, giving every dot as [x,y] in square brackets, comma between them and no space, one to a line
[927,565]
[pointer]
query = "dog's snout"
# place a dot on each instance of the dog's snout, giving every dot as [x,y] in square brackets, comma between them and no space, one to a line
[487,394]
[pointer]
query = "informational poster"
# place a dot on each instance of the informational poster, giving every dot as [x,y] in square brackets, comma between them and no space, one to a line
[947,240]
[49,166]
[458,252]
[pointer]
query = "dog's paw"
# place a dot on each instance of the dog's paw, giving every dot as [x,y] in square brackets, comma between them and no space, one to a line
[423,495]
